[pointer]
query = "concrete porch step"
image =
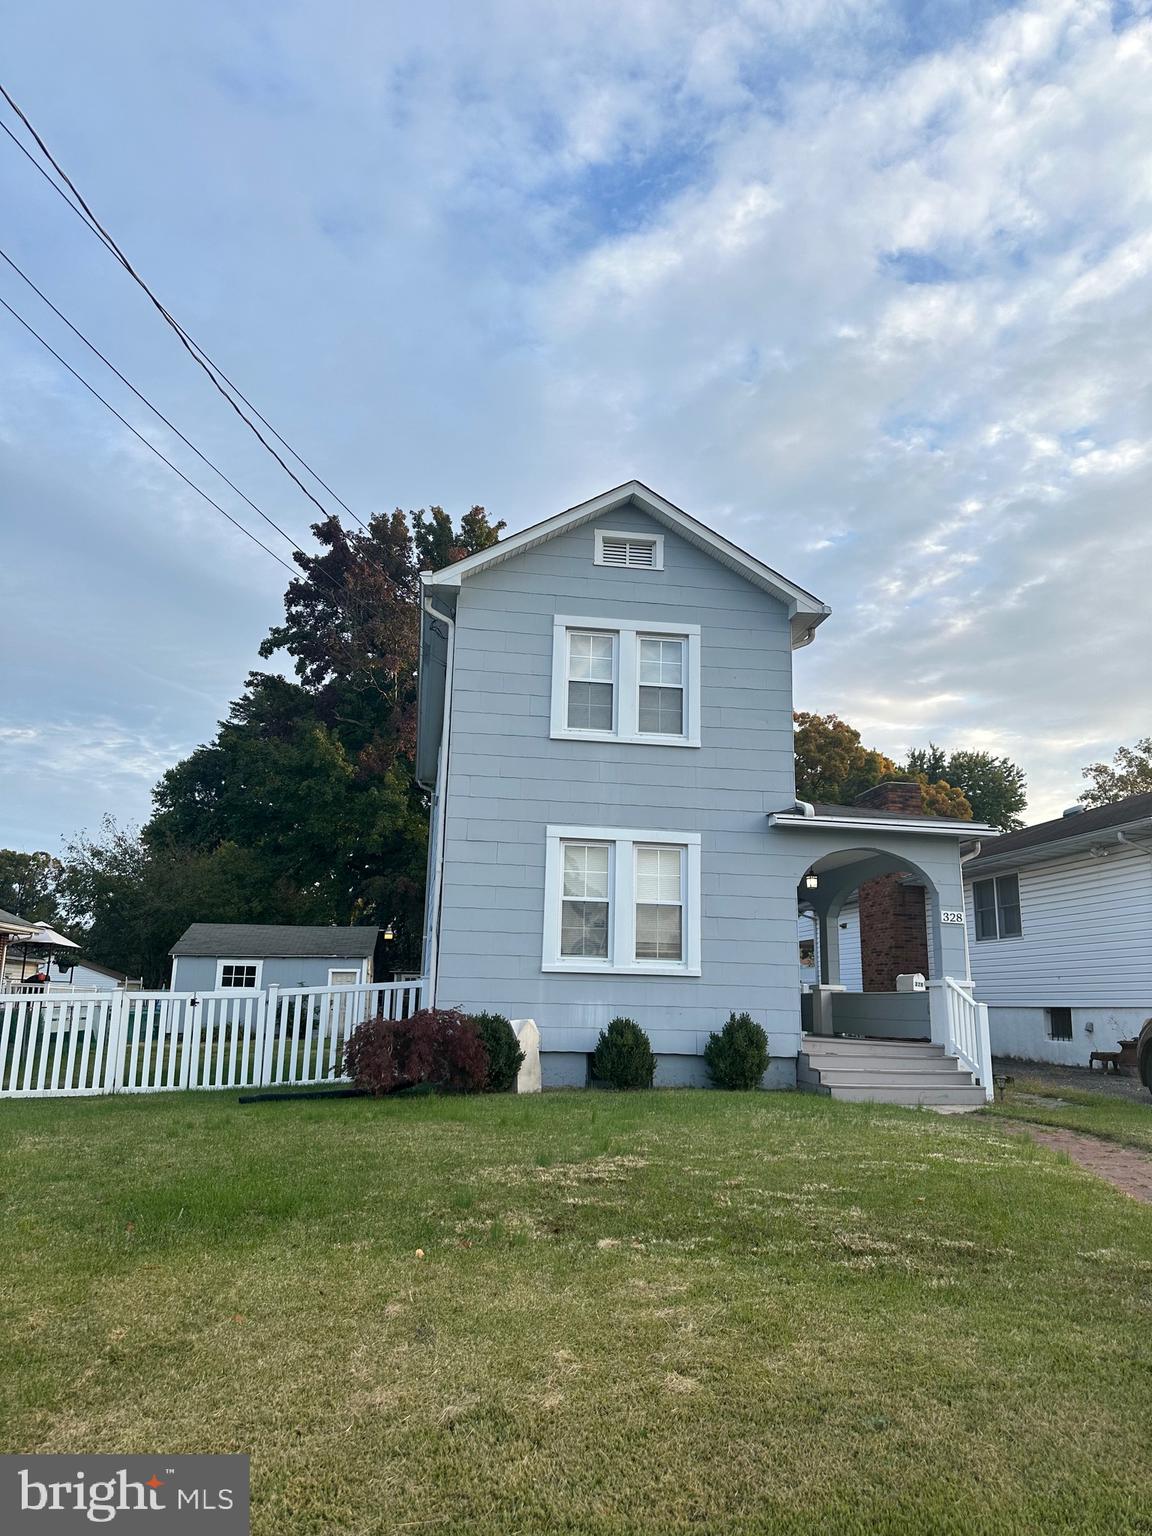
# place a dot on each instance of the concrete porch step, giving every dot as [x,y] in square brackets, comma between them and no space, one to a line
[913,1072]
[912,1097]
[845,1045]
[905,1077]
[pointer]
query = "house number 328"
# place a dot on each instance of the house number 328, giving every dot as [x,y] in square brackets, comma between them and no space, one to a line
[951,917]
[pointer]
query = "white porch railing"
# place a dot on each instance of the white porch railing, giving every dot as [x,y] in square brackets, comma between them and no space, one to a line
[147,1042]
[960,1024]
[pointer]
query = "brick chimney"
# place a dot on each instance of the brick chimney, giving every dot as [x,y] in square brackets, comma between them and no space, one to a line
[893,919]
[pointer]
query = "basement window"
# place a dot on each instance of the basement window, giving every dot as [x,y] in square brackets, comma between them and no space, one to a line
[633,551]
[1059,1023]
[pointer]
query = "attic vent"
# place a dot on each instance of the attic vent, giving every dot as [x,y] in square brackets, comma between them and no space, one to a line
[636,551]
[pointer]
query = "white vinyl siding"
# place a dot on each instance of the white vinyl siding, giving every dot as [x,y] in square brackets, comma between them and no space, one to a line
[1087,939]
[619,680]
[630,551]
[622,901]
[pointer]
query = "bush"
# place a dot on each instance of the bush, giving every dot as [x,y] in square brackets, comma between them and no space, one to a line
[438,1047]
[738,1056]
[623,1056]
[504,1054]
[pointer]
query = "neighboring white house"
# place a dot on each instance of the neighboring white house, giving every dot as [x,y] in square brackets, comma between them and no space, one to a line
[210,957]
[1060,926]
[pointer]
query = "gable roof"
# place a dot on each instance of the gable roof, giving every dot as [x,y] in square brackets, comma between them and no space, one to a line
[1068,834]
[805,610]
[274,941]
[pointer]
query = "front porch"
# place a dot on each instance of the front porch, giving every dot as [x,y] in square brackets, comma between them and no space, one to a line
[888,1013]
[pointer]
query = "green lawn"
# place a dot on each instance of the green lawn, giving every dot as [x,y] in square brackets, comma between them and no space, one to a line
[654,1313]
[1128,1121]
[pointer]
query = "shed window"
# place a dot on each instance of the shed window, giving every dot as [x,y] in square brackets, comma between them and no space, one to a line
[1059,1023]
[234,973]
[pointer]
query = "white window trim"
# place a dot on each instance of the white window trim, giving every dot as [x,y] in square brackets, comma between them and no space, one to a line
[220,964]
[622,902]
[626,700]
[655,539]
[358,970]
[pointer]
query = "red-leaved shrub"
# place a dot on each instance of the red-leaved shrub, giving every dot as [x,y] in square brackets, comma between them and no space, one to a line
[437,1046]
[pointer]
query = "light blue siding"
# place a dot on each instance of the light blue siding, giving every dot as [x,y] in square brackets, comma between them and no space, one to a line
[197,973]
[508,780]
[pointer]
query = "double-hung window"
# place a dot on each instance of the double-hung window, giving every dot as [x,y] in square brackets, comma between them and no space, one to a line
[622,901]
[996,906]
[619,680]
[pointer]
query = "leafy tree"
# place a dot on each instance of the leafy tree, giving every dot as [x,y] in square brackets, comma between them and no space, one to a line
[1129,773]
[311,777]
[994,787]
[833,765]
[128,899]
[28,885]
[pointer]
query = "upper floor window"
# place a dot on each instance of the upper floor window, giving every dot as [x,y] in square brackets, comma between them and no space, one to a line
[622,901]
[620,680]
[636,551]
[996,905]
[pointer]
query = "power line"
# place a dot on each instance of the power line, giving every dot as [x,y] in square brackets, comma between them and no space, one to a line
[92,390]
[343,598]
[156,411]
[214,372]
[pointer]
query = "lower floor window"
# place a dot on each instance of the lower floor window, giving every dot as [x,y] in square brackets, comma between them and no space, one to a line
[622,901]
[1059,1023]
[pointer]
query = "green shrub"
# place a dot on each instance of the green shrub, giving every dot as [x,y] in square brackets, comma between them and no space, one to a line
[505,1057]
[738,1056]
[623,1056]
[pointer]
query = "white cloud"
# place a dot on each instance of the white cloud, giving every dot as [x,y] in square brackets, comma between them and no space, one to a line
[876,304]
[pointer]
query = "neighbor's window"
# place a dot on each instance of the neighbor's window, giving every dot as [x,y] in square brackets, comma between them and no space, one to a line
[585,909]
[620,901]
[626,681]
[996,904]
[659,903]
[235,974]
[1059,1023]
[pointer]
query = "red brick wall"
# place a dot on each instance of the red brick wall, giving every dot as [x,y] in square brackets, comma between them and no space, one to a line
[893,918]
[893,932]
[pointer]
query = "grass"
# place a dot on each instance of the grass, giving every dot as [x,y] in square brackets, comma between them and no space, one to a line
[1128,1121]
[650,1313]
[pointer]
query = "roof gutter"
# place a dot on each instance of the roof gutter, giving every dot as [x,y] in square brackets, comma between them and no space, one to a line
[439,815]
[931,827]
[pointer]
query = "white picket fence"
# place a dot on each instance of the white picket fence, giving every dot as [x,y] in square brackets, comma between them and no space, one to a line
[149,1042]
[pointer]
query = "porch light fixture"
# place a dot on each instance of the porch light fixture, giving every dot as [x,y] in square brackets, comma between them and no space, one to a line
[388,934]
[811,881]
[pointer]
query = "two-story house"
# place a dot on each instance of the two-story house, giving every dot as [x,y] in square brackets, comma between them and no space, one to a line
[605,723]
[1060,916]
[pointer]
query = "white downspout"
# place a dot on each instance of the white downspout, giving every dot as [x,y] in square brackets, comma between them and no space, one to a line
[440,810]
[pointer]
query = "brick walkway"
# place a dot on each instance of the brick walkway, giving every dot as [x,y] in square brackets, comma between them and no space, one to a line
[1126,1168]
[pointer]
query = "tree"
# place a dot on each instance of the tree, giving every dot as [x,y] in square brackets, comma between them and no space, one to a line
[127,900]
[1129,773]
[994,787]
[310,778]
[28,885]
[833,765]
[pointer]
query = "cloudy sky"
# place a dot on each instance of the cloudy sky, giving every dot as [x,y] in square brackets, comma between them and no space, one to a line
[865,286]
